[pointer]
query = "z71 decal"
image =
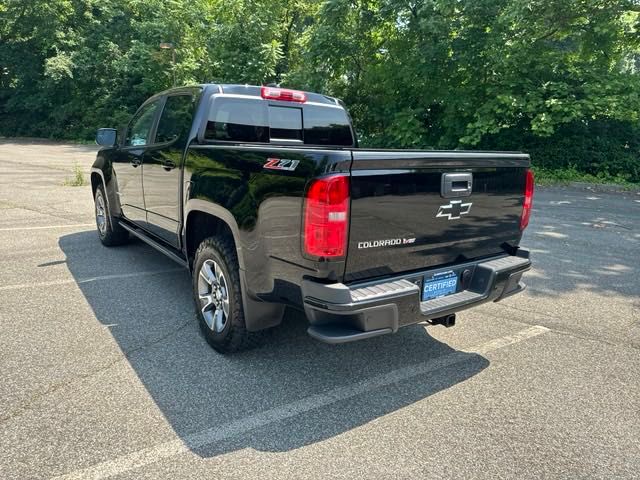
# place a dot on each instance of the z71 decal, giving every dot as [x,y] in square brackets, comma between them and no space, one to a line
[281,164]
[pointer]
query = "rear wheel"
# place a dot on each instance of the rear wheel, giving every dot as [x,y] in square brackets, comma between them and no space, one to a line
[109,232]
[218,297]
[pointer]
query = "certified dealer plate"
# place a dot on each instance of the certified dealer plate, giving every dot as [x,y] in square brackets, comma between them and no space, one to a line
[439,285]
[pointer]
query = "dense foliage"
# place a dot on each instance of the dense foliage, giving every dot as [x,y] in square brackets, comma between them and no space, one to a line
[557,78]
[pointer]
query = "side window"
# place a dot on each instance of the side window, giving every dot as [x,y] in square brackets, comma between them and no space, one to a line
[176,118]
[140,126]
[238,120]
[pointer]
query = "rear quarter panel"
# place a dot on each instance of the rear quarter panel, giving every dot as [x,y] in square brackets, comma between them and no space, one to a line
[267,207]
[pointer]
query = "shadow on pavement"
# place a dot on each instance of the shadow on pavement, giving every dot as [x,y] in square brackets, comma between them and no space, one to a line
[152,318]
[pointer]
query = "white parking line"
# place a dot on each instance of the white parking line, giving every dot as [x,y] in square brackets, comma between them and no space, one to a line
[15,229]
[197,440]
[89,279]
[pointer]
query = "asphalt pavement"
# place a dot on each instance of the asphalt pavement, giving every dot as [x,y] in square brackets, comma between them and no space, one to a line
[105,374]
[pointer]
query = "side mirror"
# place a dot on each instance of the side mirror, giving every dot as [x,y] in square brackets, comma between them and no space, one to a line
[107,137]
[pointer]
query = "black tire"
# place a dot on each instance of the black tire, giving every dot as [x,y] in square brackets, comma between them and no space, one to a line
[233,335]
[109,232]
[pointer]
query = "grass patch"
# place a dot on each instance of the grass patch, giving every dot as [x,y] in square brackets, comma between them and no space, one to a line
[565,176]
[77,180]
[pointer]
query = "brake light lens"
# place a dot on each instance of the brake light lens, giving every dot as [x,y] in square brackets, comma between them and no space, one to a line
[272,93]
[326,217]
[528,201]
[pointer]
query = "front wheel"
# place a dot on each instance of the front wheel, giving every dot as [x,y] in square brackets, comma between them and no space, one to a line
[109,232]
[218,297]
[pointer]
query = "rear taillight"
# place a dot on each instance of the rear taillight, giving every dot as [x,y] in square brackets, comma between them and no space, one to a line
[273,93]
[528,201]
[326,217]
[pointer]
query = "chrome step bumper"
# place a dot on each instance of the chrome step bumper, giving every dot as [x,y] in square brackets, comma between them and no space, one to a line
[339,313]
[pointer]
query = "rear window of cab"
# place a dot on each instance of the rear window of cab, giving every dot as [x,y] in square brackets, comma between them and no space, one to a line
[254,120]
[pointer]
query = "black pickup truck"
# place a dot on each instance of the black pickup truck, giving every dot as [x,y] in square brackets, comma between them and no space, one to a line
[263,194]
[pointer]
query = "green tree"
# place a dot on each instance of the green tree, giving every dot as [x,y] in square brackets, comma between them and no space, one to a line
[524,74]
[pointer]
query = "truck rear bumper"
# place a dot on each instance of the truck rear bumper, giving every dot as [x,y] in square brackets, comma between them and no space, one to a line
[339,313]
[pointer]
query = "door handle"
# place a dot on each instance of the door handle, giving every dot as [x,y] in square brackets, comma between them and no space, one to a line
[135,163]
[168,165]
[456,185]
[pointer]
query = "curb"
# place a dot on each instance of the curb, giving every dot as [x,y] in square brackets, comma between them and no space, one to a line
[595,187]
[605,187]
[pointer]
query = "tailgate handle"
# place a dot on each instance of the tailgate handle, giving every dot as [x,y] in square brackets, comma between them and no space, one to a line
[455,185]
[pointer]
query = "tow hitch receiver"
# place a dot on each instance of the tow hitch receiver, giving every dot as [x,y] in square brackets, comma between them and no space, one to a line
[447,320]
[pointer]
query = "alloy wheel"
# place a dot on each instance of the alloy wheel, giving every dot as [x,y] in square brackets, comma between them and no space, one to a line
[213,294]
[101,217]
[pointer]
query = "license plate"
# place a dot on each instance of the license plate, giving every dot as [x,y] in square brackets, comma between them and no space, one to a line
[439,285]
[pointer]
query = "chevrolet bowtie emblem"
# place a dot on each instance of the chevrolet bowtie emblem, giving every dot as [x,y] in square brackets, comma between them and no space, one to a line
[454,210]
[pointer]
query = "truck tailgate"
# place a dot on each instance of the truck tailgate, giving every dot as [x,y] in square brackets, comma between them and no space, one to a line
[402,219]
